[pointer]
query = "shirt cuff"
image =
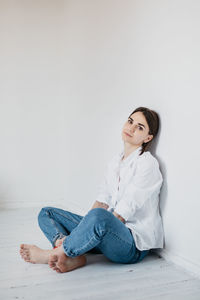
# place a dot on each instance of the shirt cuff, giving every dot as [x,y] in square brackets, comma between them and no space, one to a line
[123,210]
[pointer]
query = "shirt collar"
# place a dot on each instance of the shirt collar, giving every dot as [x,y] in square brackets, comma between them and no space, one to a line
[132,156]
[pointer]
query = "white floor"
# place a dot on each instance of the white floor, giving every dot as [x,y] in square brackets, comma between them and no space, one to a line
[153,278]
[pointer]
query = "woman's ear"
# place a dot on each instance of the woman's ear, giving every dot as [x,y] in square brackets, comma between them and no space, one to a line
[149,138]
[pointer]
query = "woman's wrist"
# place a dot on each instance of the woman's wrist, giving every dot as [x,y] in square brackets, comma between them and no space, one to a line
[119,217]
[59,242]
[98,204]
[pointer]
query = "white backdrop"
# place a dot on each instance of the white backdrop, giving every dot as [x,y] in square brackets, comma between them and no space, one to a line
[70,74]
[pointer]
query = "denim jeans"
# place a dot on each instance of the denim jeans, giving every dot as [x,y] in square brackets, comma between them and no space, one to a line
[99,231]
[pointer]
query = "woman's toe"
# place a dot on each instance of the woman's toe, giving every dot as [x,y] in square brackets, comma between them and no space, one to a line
[57,269]
[26,246]
[51,264]
[53,258]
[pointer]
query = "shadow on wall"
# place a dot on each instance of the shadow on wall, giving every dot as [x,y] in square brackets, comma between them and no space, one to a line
[164,188]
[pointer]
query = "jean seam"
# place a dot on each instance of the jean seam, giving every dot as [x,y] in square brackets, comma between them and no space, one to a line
[52,220]
[119,238]
[79,249]
[94,237]
[54,224]
[59,213]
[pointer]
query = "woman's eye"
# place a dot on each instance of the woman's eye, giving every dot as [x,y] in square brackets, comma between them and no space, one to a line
[140,128]
[129,121]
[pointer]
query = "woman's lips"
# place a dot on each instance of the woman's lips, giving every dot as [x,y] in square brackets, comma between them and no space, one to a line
[127,134]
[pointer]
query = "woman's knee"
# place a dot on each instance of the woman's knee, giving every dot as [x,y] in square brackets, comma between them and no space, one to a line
[99,215]
[45,211]
[98,211]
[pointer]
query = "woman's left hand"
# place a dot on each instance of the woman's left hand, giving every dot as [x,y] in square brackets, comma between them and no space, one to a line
[119,217]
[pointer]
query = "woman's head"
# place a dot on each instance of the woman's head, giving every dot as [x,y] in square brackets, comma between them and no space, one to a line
[140,128]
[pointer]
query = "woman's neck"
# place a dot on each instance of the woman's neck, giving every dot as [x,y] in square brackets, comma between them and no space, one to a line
[128,150]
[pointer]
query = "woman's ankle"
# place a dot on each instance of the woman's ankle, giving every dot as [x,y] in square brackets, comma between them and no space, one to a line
[59,242]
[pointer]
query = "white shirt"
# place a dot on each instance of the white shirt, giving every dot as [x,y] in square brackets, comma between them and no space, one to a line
[131,188]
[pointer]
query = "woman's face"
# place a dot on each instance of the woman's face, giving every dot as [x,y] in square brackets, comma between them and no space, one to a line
[136,130]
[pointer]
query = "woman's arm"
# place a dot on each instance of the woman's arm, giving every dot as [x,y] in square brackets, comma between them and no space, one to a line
[119,217]
[99,204]
[145,183]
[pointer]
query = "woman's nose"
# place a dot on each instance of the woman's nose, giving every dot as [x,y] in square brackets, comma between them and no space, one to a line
[133,127]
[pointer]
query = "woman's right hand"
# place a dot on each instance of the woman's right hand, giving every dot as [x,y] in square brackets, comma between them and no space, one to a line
[99,204]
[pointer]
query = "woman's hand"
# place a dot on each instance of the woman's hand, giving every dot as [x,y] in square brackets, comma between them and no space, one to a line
[100,204]
[119,217]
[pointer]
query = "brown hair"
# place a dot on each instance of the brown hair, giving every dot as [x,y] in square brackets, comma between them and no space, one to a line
[152,119]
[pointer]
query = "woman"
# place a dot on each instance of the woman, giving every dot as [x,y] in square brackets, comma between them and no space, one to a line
[124,222]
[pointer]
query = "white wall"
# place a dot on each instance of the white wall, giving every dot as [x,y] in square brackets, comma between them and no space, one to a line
[31,97]
[70,74]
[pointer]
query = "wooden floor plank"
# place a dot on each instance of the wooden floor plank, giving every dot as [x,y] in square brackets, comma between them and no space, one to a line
[153,278]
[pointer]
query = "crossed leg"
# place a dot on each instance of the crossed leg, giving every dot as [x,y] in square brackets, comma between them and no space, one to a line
[99,228]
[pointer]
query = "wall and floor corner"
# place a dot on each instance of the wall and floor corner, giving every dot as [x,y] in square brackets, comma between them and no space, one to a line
[71,72]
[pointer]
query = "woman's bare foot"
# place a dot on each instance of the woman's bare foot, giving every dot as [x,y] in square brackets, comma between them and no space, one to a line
[34,254]
[61,263]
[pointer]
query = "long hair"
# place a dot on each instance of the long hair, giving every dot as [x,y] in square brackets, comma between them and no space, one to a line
[152,119]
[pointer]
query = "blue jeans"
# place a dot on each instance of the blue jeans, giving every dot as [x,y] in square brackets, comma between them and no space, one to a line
[99,231]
